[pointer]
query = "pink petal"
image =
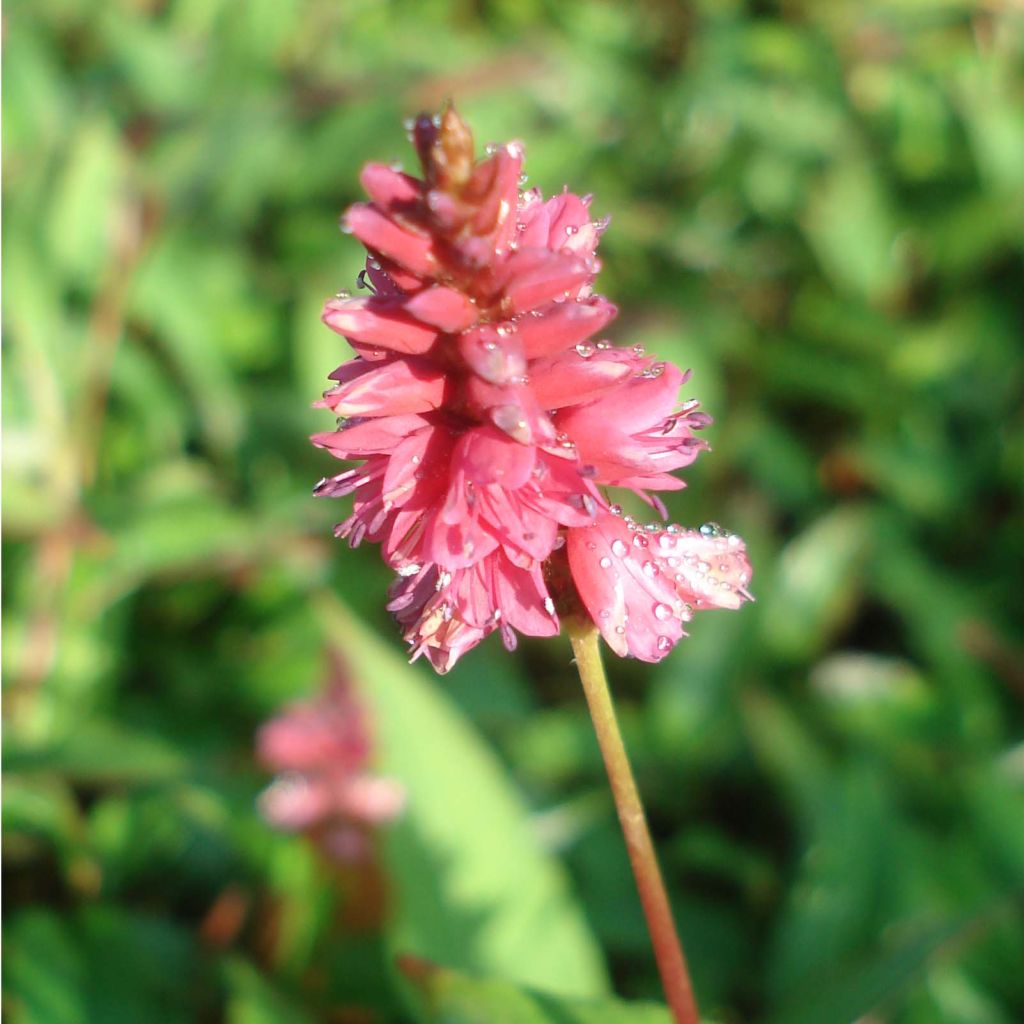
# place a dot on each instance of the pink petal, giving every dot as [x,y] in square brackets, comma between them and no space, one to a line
[575,377]
[532,277]
[373,321]
[493,353]
[396,387]
[488,456]
[380,233]
[563,325]
[389,188]
[444,308]
[369,437]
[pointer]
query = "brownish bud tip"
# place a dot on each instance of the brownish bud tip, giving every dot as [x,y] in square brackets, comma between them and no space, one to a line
[445,147]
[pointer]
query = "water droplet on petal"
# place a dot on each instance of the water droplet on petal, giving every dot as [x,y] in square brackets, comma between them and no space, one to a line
[585,349]
[549,606]
[605,562]
[662,612]
[618,548]
[664,643]
[651,569]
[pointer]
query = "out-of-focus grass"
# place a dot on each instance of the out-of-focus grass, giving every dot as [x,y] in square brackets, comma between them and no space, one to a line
[819,207]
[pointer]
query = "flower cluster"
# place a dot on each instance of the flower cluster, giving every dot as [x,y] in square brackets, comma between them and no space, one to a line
[489,424]
[320,750]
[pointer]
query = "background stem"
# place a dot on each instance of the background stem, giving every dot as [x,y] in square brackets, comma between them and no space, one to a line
[668,952]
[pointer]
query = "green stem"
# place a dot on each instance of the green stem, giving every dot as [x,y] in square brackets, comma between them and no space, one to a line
[667,950]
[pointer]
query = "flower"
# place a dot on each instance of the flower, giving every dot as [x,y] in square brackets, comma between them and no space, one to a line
[320,750]
[487,422]
[640,584]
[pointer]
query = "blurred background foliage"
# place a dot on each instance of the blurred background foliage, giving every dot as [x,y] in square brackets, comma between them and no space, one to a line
[820,208]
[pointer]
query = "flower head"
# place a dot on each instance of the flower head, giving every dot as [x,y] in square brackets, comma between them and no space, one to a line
[487,422]
[320,750]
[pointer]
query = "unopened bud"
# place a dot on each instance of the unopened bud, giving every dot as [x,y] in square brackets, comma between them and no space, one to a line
[445,147]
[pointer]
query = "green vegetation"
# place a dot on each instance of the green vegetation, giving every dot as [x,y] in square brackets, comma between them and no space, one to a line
[817,206]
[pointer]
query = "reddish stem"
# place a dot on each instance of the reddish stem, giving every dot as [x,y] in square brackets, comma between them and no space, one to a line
[668,951]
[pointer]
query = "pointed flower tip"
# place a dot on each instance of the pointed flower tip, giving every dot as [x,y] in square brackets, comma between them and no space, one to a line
[444,143]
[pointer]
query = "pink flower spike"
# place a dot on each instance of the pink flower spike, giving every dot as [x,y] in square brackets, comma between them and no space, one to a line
[488,422]
[320,750]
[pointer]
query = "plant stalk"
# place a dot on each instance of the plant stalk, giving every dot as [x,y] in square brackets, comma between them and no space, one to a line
[668,951]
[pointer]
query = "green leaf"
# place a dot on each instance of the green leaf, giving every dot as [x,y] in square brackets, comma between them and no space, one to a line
[252,999]
[98,752]
[817,583]
[475,890]
[100,965]
[851,227]
[849,995]
[444,996]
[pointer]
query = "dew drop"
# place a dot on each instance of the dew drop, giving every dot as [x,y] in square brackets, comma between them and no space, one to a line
[638,350]
[409,570]
[664,643]
[605,562]
[616,510]
[620,630]
[343,294]
[662,612]
[549,606]
[710,530]
[639,540]
[651,569]
[585,349]
[618,548]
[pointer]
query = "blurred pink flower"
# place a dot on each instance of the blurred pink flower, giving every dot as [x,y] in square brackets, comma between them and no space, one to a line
[320,750]
[486,420]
